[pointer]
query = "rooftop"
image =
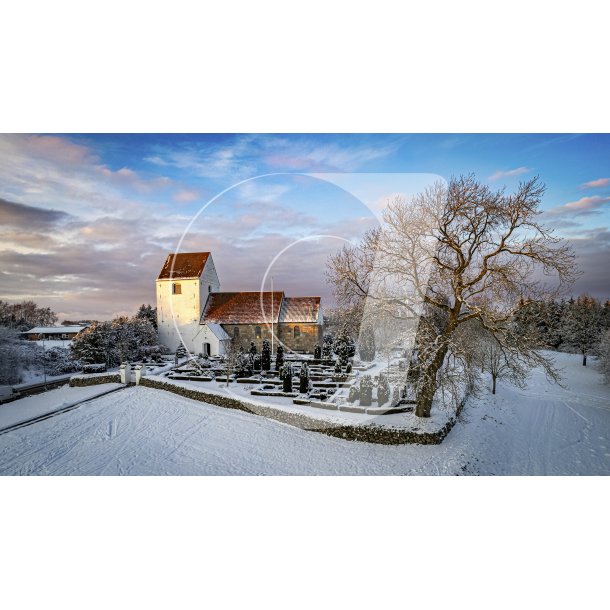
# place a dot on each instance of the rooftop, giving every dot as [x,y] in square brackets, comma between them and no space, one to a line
[242,307]
[183,266]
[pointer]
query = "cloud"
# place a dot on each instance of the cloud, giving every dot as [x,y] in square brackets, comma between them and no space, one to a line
[185,195]
[592,254]
[251,155]
[583,207]
[510,173]
[600,182]
[29,217]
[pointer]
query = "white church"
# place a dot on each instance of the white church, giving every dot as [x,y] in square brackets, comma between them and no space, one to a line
[193,311]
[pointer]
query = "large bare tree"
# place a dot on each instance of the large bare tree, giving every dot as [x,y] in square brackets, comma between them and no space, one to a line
[454,253]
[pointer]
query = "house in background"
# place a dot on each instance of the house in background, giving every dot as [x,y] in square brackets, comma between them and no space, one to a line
[191,309]
[53,333]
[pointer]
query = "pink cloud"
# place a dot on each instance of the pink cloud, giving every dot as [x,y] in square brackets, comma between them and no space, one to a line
[510,173]
[585,205]
[185,195]
[596,183]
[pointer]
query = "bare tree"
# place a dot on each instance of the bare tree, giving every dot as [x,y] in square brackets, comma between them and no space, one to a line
[455,253]
[503,361]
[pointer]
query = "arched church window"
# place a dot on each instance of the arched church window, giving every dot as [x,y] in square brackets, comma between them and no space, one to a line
[236,333]
[257,332]
[297,332]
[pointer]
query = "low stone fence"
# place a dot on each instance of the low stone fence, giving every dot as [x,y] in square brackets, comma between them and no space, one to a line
[367,434]
[79,381]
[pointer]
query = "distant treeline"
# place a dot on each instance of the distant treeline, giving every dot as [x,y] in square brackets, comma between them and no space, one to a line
[575,325]
[25,315]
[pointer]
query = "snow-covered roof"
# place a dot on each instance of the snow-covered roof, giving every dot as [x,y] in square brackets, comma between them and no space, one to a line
[183,266]
[300,309]
[242,307]
[47,330]
[218,331]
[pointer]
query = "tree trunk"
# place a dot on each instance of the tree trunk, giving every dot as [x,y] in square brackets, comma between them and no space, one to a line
[493,384]
[584,359]
[427,388]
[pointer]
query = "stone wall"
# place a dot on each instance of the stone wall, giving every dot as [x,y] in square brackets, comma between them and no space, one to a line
[367,434]
[309,335]
[79,381]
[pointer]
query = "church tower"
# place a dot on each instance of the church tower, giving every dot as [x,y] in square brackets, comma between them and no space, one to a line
[183,286]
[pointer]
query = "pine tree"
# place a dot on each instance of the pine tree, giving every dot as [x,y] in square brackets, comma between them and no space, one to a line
[343,346]
[286,377]
[327,347]
[383,390]
[366,391]
[304,379]
[266,356]
[582,325]
[279,358]
[366,345]
[148,312]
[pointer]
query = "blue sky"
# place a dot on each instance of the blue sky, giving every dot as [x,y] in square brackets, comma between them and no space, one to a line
[88,219]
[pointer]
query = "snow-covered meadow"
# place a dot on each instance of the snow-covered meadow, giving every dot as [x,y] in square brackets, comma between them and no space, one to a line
[542,429]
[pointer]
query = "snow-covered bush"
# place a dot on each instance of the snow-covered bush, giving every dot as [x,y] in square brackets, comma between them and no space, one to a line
[94,368]
[16,356]
[603,351]
[354,394]
[58,361]
[114,342]
[366,391]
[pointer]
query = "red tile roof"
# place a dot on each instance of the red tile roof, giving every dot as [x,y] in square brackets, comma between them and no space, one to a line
[242,307]
[300,309]
[186,265]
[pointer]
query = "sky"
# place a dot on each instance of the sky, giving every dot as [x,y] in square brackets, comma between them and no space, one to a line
[87,220]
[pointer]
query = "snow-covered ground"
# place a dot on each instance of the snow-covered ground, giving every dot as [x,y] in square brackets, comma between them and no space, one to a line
[31,407]
[542,429]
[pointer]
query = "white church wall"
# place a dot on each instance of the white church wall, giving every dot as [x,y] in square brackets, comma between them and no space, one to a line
[178,315]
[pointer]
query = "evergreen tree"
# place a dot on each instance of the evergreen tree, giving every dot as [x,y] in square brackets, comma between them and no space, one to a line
[327,347]
[366,391]
[148,312]
[366,345]
[266,356]
[304,379]
[344,346]
[279,358]
[582,325]
[286,377]
[92,345]
[383,390]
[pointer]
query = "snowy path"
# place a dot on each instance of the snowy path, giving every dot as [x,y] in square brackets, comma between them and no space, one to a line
[542,429]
